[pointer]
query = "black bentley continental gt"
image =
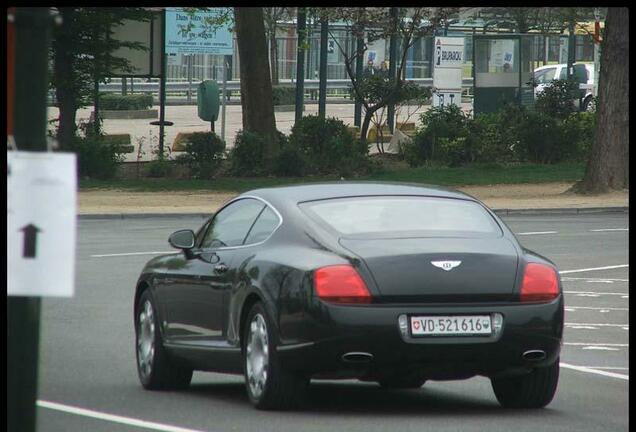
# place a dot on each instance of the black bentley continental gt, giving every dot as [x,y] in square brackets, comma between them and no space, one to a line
[392,283]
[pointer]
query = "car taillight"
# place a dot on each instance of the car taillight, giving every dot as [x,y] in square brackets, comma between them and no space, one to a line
[340,284]
[540,283]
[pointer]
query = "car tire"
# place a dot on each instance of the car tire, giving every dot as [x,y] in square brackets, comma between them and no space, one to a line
[533,390]
[589,104]
[156,370]
[269,386]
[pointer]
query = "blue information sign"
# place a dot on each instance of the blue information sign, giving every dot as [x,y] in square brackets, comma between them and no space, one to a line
[189,33]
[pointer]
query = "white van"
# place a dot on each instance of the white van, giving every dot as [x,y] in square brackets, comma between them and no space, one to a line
[544,75]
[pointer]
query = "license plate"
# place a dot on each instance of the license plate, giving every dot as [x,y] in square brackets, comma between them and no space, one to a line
[451,325]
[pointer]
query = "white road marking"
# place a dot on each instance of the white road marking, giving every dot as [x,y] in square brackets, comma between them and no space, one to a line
[537,232]
[595,371]
[595,344]
[132,253]
[598,325]
[600,348]
[608,367]
[600,309]
[610,229]
[112,418]
[595,293]
[583,327]
[569,278]
[594,269]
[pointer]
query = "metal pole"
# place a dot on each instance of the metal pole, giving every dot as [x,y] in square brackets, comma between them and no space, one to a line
[162,90]
[223,100]
[96,105]
[300,62]
[322,96]
[571,49]
[572,57]
[597,51]
[23,313]
[189,57]
[392,68]
[357,110]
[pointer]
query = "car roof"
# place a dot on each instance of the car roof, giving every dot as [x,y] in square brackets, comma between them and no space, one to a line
[562,65]
[292,195]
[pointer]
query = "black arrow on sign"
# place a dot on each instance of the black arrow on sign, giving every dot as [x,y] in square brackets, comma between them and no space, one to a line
[30,240]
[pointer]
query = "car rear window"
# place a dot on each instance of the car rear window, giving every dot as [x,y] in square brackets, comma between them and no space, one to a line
[403,215]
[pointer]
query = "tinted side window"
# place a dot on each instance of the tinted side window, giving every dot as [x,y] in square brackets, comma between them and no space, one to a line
[564,73]
[580,73]
[545,75]
[201,232]
[230,226]
[549,75]
[264,226]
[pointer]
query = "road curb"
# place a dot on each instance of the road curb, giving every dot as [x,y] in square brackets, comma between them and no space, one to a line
[503,212]
[141,215]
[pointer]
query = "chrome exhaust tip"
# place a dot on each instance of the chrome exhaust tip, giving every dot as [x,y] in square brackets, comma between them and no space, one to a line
[534,355]
[357,357]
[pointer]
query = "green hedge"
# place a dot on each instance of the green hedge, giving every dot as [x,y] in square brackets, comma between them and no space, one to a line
[247,157]
[117,102]
[513,134]
[315,147]
[204,152]
[284,95]
[326,146]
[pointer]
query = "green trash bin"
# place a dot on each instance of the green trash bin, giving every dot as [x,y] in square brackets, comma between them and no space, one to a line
[208,101]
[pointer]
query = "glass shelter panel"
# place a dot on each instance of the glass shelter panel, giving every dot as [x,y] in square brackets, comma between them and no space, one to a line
[497,62]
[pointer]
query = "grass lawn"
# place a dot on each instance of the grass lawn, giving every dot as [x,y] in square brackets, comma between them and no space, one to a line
[465,176]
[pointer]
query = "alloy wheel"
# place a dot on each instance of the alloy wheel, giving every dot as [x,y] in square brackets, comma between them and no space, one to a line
[257,356]
[146,339]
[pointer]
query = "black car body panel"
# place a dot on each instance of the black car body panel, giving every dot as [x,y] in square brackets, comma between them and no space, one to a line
[202,311]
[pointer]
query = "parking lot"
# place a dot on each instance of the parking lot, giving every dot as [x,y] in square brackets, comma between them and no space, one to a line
[88,379]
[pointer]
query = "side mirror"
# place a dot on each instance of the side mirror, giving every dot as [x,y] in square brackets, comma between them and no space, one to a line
[182,239]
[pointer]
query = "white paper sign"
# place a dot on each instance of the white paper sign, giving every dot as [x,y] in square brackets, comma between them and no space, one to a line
[41,215]
[502,53]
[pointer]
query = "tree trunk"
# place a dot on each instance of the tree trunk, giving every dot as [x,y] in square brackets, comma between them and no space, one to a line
[368,115]
[273,56]
[256,88]
[64,77]
[608,163]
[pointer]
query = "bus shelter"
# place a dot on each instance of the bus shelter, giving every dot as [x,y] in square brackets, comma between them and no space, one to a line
[502,71]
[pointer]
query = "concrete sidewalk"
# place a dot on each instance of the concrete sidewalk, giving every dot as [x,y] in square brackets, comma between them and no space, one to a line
[506,199]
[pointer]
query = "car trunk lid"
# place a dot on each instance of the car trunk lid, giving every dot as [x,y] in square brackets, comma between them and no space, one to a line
[484,268]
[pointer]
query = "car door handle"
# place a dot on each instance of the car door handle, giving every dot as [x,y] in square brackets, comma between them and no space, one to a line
[221,268]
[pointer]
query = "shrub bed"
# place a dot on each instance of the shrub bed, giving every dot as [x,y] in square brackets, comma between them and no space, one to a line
[515,134]
[283,95]
[326,146]
[204,152]
[118,102]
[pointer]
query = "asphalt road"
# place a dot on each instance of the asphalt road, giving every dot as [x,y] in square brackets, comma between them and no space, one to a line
[87,359]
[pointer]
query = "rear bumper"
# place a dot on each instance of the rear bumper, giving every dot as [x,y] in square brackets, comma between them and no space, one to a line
[336,330]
